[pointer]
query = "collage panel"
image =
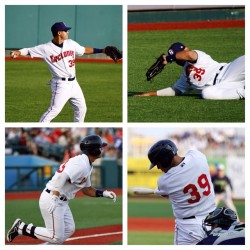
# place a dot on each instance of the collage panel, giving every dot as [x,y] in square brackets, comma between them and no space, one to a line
[186,186]
[186,63]
[63,64]
[63,186]
[161,157]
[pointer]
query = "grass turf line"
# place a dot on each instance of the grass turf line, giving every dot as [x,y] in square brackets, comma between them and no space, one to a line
[28,96]
[88,212]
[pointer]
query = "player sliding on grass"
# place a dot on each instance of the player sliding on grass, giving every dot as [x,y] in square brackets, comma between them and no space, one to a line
[215,80]
[72,176]
[60,54]
[187,183]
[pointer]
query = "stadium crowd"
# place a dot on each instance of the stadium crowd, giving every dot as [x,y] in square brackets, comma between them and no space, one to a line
[59,144]
[212,142]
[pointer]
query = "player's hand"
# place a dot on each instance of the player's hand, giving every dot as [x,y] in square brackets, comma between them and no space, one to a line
[53,203]
[15,53]
[164,59]
[110,195]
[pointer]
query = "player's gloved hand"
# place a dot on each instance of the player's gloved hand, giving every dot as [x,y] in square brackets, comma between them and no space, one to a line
[110,195]
[53,203]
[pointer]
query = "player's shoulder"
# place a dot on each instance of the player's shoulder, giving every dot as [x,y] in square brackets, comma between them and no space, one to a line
[70,41]
[79,163]
[78,159]
[199,52]
[194,152]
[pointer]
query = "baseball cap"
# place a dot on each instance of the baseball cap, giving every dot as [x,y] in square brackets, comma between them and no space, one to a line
[220,167]
[59,26]
[176,47]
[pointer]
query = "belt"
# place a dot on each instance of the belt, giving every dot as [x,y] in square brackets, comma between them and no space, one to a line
[188,218]
[215,78]
[68,79]
[62,198]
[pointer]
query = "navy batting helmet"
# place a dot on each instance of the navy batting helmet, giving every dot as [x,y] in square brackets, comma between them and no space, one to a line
[222,216]
[162,152]
[92,144]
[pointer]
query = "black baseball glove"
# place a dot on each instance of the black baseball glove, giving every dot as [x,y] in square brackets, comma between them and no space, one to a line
[156,68]
[113,52]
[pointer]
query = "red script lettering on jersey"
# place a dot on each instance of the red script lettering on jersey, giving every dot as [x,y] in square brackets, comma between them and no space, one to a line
[62,55]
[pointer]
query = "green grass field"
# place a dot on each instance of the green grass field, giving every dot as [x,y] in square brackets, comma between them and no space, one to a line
[224,45]
[27,94]
[159,208]
[87,212]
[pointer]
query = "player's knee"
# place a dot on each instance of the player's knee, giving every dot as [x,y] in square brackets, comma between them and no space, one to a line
[56,110]
[58,239]
[71,230]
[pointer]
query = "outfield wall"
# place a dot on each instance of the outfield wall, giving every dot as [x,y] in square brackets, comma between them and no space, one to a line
[180,7]
[92,26]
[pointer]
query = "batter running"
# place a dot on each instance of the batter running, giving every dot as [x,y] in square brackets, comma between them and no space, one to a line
[72,176]
[215,80]
[60,54]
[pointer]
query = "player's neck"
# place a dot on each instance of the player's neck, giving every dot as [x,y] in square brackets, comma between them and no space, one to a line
[58,41]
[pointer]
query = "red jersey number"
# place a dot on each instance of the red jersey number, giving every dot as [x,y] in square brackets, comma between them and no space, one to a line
[193,190]
[61,168]
[71,63]
[198,72]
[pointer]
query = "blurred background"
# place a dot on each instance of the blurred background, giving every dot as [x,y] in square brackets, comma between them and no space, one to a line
[34,154]
[225,151]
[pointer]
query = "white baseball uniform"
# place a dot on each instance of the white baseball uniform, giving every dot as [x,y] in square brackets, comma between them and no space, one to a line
[214,80]
[60,225]
[190,190]
[64,86]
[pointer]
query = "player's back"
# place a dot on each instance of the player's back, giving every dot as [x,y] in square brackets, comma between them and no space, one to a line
[189,186]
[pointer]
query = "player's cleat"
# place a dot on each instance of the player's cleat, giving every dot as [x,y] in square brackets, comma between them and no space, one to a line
[13,232]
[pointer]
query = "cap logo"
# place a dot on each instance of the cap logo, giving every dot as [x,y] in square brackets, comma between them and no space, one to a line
[170,51]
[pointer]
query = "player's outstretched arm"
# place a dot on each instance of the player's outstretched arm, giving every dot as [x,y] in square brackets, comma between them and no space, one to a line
[89,50]
[111,51]
[187,55]
[17,53]
[163,92]
[92,192]
[152,93]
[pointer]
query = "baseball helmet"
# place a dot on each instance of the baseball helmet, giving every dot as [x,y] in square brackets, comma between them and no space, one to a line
[176,47]
[162,152]
[92,144]
[222,216]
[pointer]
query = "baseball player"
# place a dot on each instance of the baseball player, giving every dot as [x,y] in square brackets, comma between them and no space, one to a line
[223,188]
[214,80]
[225,230]
[187,183]
[60,54]
[72,176]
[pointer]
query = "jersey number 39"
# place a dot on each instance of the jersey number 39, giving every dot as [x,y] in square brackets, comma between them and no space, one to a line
[192,189]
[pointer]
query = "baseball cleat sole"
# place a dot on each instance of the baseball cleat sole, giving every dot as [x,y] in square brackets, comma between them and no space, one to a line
[13,232]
